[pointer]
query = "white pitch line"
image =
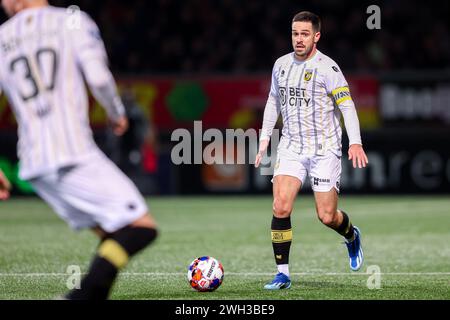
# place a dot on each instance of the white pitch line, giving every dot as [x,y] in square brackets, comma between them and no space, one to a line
[242,274]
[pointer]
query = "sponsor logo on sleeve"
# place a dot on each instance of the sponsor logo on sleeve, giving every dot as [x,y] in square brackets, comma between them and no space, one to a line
[341,94]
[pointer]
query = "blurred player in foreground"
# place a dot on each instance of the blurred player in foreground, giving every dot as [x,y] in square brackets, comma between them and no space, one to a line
[309,90]
[46,53]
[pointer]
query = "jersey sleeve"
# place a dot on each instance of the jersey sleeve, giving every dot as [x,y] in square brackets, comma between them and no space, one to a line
[87,41]
[272,108]
[337,86]
[91,56]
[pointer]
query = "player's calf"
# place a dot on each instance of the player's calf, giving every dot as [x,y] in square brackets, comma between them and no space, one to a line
[112,255]
[281,243]
[337,220]
[345,228]
[340,222]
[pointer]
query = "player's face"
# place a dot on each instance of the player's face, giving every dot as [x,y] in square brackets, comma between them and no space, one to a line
[11,7]
[304,38]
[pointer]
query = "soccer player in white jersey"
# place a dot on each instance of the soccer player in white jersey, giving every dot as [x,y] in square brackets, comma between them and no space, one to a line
[310,91]
[45,55]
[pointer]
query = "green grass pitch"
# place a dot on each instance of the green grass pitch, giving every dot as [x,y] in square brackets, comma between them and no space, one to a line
[408,238]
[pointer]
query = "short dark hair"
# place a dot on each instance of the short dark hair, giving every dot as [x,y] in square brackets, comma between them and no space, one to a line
[309,17]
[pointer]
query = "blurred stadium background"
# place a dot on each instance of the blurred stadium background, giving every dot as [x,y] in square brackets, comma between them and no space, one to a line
[181,61]
[211,61]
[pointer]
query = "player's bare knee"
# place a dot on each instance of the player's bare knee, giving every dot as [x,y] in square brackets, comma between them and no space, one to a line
[146,221]
[328,216]
[326,220]
[282,209]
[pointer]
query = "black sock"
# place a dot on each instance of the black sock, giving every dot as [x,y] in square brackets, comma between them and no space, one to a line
[133,239]
[97,283]
[113,254]
[281,239]
[346,228]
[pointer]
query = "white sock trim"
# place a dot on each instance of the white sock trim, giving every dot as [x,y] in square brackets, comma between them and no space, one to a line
[283,268]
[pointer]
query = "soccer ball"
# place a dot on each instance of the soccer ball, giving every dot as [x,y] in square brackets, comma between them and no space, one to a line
[205,274]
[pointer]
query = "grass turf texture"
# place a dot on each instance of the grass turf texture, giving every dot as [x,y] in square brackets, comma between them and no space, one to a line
[407,237]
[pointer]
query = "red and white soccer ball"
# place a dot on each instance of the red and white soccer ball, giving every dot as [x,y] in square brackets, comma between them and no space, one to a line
[205,274]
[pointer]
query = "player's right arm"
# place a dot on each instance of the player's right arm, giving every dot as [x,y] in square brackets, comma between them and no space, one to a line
[271,113]
[5,186]
[93,61]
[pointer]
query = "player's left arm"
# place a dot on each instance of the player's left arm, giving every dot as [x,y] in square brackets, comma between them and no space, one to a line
[340,92]
[356,151]
[93,60]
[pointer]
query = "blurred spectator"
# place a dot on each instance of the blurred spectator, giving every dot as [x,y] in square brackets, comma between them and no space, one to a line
[150,150]
[135,152]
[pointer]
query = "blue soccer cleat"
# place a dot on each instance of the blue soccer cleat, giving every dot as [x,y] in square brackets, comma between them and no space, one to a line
[355,251]
[281,281]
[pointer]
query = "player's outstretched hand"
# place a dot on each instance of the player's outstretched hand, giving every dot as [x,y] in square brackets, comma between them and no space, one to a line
[358,156]
[262,149]
[5,186]
[120,126]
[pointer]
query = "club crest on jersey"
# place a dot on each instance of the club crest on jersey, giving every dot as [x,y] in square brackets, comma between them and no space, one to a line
[308,74]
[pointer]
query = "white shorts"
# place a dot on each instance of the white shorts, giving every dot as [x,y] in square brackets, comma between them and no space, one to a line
[324,170]
[90,194]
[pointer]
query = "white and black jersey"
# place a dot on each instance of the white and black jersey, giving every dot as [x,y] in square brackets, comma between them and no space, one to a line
[310,95]
[46,55]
